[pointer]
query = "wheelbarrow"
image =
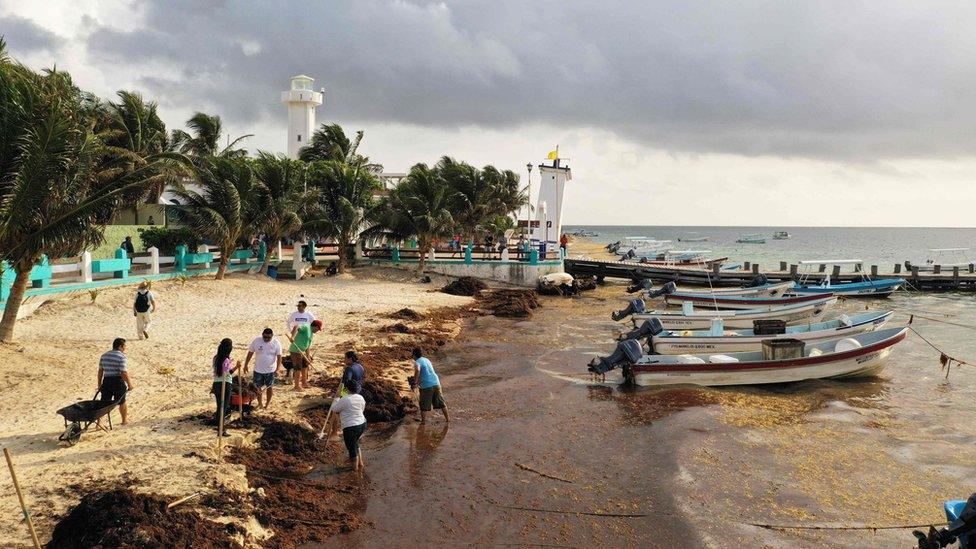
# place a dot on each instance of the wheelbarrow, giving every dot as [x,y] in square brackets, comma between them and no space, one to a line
[78,417]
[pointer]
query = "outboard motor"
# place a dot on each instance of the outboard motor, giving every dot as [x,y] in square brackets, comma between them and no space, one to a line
[667,289]
[636,306]
[648,329]
[639,285]
[613,247]
[629,255]
[962,527]
[759,280]
[627,353]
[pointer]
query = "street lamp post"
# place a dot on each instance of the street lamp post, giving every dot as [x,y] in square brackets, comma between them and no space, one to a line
[528,206]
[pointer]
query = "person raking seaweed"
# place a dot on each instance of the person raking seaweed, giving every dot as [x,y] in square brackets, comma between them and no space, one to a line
[301,359]
[425,378]
[348,415]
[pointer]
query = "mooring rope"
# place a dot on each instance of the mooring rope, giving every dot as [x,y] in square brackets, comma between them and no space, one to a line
[843,527]
[945,359]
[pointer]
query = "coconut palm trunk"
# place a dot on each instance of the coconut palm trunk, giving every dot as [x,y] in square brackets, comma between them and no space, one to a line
[267,258]
[14,301]
[224,260]
[424,245]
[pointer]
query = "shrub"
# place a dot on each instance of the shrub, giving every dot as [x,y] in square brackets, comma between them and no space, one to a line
[168,239]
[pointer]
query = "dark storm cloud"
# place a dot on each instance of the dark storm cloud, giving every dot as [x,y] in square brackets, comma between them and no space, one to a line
[23,35]
[847,80]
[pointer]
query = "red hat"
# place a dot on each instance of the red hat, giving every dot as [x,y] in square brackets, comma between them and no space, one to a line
[317,324]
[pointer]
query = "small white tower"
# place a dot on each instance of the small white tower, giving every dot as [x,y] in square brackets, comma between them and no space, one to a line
[549,209]
[301,100]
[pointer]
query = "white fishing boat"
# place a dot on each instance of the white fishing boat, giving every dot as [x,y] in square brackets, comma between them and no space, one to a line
[755,238]
[719,340]
[762,290]
[639,246]
[713,301]
[779,361]
[690,318]
[946,259]
[692,239]
[781,235]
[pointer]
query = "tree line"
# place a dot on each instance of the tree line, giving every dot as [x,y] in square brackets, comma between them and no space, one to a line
[71,162]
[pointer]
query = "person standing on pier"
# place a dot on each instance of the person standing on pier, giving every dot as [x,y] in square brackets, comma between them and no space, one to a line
[425,378]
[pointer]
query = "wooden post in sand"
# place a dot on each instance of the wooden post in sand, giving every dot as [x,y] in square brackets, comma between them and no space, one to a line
[220,414]
[240,397]
[20,496]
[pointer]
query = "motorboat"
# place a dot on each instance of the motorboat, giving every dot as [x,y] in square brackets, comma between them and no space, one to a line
[713,301]
[866,287]
[636,247]
[755,238]
[692,239]
[690,318]
[684,257]
[781,235]
[945,258]
[760,290]
[719,340]
[779,361]
[585,233]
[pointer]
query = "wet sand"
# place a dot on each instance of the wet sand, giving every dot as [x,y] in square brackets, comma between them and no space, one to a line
[702,464]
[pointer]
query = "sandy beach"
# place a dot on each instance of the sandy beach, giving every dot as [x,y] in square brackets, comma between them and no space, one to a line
[55,362]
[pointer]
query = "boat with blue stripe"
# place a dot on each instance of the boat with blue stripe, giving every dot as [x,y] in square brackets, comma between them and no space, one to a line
[866,287]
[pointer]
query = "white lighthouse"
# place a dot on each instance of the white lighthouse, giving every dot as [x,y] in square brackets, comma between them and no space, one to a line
[301,100]
[549,209]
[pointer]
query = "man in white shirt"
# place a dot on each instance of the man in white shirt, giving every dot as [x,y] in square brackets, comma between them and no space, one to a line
[266,351]
[299,317]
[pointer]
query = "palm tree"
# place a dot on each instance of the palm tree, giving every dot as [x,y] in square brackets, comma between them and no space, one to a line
[344,196]
[482,195]
[227,208]
[329,142]
[60,184]
[279,181]
[419,206]
[204,138]
[133,125]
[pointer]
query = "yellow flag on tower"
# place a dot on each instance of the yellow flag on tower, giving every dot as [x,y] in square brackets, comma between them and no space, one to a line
[554,155]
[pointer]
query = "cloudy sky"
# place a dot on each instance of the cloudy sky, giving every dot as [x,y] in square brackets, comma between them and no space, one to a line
[684,112]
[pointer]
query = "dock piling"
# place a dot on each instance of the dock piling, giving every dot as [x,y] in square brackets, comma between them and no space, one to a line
[836,271]
[897,268]
[936,269]
[793,271]
[755,268]
[782,265]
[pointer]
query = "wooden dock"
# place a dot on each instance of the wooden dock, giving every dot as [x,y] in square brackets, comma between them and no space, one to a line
[954,280]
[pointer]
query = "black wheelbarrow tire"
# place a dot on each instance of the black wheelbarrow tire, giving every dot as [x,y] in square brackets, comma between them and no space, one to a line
[72,434]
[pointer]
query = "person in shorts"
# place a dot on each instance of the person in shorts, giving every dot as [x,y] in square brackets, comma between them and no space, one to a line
[347,413]
[425,378]
[266,351]
[300,358]
[113,378]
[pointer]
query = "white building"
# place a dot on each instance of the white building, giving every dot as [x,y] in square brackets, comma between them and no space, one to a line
[549,209]
[301,100]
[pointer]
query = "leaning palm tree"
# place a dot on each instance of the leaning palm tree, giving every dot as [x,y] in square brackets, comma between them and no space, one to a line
[344,195]
[329,142]
[60,184]
[227,207]
[132,125]
[203,139]
[419,206]
[280,180]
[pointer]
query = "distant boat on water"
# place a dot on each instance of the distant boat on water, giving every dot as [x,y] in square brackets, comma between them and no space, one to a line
[781,235]
[945,258]
[755,238]
[692,239]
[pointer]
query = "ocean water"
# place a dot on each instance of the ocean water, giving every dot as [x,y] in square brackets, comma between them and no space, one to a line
[880,246]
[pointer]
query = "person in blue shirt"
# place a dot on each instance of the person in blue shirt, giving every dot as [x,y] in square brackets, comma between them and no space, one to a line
[353,373]
[425,379]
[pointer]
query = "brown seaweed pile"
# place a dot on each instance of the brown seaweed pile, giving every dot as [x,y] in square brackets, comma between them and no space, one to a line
[465,286]
[123,518]
[510,303]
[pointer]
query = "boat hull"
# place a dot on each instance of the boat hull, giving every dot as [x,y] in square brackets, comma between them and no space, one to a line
[702,320]
[869,288]
[679,345]
[766,290]
[861,362]
[678,299]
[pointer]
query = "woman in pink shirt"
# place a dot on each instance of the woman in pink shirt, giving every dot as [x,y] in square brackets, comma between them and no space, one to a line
[223,377]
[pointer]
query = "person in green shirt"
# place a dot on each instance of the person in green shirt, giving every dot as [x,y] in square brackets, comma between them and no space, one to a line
[300,356]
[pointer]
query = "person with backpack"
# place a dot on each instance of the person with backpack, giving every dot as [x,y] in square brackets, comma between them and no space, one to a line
[142,309]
